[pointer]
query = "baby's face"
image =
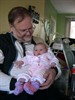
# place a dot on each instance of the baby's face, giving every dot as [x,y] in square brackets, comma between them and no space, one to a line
[39,50]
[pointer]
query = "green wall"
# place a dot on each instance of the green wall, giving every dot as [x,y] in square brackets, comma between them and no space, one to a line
[60,24]
[49,10]
[60,17]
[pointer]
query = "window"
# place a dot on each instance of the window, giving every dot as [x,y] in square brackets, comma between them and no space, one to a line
[72,29]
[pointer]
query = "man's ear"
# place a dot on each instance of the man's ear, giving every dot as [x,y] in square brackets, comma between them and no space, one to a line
[11,27]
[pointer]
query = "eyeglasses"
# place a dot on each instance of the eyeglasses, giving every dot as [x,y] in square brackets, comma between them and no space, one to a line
[25,31]
[31,29]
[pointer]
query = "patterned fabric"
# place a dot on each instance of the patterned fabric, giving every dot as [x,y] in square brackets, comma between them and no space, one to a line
[37,66]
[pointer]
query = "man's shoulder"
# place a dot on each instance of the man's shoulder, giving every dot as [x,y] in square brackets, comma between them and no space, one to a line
[4,35]
[5,38]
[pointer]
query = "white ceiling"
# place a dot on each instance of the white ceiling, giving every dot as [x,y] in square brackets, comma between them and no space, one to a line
[64,6]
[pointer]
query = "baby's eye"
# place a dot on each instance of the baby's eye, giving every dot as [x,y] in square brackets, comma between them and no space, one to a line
[35,50]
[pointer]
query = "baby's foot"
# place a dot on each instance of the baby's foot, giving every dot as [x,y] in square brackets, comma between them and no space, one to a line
[28,88]
[36,85]
[19,88]
[32,87]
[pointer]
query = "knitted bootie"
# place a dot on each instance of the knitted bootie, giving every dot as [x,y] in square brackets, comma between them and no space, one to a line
[36,85]
[32,87]
[28,88]
[19,88]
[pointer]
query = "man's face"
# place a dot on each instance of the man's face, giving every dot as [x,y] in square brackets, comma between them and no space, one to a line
[23,30]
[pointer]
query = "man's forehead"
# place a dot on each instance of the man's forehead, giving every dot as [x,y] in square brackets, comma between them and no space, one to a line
[25,21]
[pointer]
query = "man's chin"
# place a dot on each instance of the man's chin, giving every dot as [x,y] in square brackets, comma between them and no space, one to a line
[27,39]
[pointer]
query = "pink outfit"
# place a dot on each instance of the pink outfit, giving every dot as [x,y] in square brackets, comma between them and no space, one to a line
[38,66]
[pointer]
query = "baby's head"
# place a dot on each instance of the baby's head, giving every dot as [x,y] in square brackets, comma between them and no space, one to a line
[40,48]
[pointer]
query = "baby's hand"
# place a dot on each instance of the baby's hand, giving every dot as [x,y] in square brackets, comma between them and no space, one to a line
[19,64]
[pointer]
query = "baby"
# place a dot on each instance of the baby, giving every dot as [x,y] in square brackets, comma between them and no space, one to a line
[39,61]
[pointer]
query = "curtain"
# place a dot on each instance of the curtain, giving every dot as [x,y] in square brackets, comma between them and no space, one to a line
[67,27]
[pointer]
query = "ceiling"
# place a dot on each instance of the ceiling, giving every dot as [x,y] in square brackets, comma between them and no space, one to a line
[64,6]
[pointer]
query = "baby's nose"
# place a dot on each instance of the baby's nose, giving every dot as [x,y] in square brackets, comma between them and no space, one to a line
[38,53]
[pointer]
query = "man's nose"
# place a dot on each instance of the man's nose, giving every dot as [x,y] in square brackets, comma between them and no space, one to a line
[28,32]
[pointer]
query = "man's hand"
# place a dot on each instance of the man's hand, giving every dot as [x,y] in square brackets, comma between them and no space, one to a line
[50,77]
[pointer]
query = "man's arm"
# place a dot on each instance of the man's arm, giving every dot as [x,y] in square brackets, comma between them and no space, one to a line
[7,83]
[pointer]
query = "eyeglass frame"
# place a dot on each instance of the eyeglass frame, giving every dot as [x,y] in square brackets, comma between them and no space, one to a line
[30,30]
